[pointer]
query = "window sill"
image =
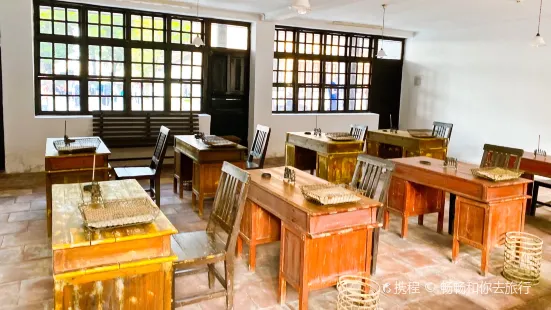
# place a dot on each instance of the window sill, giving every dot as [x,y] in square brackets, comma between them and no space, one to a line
[323,114]
[62,116]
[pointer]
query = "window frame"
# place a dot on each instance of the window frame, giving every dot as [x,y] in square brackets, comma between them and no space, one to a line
[324,56]
[84,41]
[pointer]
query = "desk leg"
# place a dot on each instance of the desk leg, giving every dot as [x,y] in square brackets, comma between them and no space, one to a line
[303,289]
[282,287]
[531,191]
[452,214]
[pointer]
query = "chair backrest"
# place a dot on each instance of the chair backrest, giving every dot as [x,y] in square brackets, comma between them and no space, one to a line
[501,156]
[229,203]
[442,130]
[160,150]
[372,176]
[358,131]
[260,145]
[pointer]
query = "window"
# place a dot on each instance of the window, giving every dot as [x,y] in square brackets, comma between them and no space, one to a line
[94,58]
[322,71]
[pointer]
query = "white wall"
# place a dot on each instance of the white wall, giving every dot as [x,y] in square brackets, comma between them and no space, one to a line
[25,134]
[488,81]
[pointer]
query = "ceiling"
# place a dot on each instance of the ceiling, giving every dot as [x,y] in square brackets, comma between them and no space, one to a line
[409,15]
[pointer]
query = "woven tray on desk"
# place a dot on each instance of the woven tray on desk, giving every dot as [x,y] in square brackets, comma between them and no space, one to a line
[217,142]
[78,146]
[118,213]
[421,133]
[328,194]
[340,136]
[497,174]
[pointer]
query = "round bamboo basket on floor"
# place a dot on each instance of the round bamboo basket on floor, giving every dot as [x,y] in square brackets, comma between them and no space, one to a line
[523,255]
[357,292]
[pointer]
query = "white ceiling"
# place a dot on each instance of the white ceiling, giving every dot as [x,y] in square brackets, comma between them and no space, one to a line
[410,15]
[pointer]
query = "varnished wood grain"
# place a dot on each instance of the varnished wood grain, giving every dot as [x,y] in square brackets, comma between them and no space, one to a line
[334,161]
[485,210]
[124,268]
[318,243]
[72,168]
[407,145]
[207,164]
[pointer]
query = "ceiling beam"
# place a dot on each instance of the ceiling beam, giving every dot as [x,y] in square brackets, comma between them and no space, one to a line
[288,12]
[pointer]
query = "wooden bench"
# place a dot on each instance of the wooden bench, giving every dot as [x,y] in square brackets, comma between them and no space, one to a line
[127,131]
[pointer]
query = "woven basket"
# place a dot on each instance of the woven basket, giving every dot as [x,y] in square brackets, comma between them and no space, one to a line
[523,255]
[328,194]
[118,213]
[340,136]
[496,174]
[357,292]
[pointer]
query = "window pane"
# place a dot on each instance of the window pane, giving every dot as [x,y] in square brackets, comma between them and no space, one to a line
[229,36]
[393,49]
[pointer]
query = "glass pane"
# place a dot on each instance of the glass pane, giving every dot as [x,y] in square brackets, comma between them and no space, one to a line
[45,27]
[118,33]
[393,49]
[106,18]
[59,14]
[93,31]
[45,12]
[59,28]
[46,49]
[229,36]
[118,19]
[119,54]
[72,15]
[94,52]
[73,30]
[93,17]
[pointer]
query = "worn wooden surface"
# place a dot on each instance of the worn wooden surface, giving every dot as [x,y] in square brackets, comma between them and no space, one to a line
[501,204]
[386,144]
[318,243]
[334,161]
[72,168]
[205,166]
[533,165]
[123,268]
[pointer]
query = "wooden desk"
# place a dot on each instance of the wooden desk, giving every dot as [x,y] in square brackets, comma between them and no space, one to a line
[318,243]
[532,166]
[333,161]
[72,168]
[484,210]
[206,164]
[124,268]
[385,144]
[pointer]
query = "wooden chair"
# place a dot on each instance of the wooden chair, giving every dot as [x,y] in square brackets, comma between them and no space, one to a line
[200,250]
[372,177]
[358,131]
[501,156]
[259,148]
[442,130]
[151,173]
[494,156]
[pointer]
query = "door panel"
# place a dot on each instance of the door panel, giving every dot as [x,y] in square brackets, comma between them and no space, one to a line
[228,101]
[386,89]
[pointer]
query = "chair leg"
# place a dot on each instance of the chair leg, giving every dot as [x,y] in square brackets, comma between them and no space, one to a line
[534,204]
[228,266]
[211,276]
[158,190]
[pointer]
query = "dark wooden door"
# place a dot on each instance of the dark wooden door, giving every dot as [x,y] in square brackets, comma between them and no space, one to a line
[386,89]
[2,150]
[228,98]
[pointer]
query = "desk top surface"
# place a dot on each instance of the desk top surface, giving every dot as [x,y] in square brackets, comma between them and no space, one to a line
[197,144]
[322,139]
[463,171]
[292,194]
[68,230]
[51,151]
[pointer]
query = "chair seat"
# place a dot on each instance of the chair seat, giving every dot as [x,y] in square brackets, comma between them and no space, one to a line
[251,165]
[197,248]
[134,173]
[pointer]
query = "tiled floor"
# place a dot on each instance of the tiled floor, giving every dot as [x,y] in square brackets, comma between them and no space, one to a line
[418,270]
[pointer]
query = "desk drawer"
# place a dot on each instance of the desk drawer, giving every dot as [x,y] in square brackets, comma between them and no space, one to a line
[75,162]
[278,207]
